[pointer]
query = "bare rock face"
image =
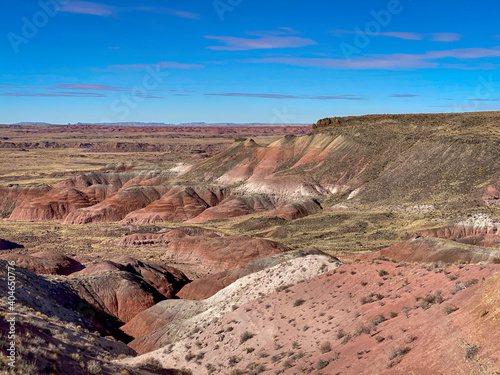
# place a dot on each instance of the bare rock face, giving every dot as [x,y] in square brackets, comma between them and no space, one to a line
[7,245]
[327,122]
[207,286]
[45,263]
[163,278]
[178,204]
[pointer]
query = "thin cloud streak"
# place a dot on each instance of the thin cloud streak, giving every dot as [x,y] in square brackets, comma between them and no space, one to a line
[71,86]
[57,94]
[283,96]
[104,10]
[263,42]
[388,62]
[163,65]
[445,37]
[403,95]
[435,37]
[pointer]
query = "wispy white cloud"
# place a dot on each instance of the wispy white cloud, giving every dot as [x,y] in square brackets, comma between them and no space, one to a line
[403,96]
[87,7]
[435,37]
[73,86]
[426,60]
[445,37]
[264,40]
[57,94]
[285,96]
[104,10]
[162,65]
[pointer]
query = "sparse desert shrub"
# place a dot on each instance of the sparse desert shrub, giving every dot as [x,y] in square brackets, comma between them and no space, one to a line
[383,273]
[321,364]
[325,347]
[431,299]
[152,364]
[406,310]
[461,285]
[210,368]
[298,302]
[362,329]
[366,299]
[410,339]
[188,357]
[94,367]
[363,283]
[378,319]
[379,338]
[340,334]
[448,309]
[233,360]
[200,356]
[399,352]
[470,351]
[245,336]
[393,314]
[346,339]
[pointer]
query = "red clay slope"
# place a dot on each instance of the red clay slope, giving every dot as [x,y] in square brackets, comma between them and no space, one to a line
[365,318]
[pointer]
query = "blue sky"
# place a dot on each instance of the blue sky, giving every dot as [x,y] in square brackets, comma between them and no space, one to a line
[244,60]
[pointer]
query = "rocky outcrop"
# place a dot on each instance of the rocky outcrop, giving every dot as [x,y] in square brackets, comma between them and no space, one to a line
[327,122]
